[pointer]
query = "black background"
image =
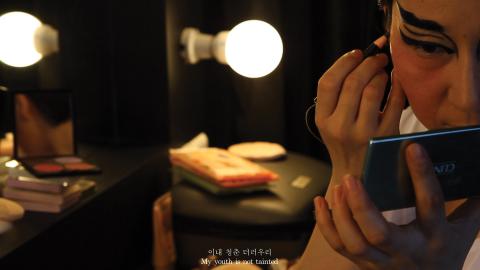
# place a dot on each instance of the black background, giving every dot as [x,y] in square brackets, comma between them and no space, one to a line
[121,58]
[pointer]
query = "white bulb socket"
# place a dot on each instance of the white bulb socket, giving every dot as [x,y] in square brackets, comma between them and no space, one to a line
[46,40]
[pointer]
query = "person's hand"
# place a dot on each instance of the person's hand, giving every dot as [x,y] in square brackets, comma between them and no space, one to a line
[358,231]
[347,114]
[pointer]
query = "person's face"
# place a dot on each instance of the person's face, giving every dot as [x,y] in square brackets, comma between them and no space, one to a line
[435,47]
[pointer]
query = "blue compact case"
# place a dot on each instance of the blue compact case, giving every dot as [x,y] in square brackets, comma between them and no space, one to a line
[455,154]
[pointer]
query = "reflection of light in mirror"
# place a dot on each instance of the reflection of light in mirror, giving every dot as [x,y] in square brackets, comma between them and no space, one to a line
[11,164]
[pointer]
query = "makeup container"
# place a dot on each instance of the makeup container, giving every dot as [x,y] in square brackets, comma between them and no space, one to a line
[44,134]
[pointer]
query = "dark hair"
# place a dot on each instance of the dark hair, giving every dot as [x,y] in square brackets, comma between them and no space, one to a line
[382,3]
[388,16]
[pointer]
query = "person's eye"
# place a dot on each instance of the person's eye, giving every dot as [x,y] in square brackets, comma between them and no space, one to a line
[426,47]
[430,48]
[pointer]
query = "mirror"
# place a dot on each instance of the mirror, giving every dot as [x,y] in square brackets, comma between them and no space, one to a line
[43,123]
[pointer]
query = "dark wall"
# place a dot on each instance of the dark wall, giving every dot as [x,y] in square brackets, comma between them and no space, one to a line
[122,60]
[211,97]
[113,58]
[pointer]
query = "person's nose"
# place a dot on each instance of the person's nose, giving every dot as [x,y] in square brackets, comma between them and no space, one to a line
[465,91]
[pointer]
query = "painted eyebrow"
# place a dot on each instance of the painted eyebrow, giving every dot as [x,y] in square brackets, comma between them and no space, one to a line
[412,19]
[419,43]
[420,34]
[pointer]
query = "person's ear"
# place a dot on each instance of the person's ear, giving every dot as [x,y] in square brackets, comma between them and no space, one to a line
[24,108]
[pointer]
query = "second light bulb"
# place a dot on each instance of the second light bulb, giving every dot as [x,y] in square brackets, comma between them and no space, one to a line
[252,48]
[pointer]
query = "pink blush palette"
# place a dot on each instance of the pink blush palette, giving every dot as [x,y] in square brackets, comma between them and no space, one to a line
[59,166]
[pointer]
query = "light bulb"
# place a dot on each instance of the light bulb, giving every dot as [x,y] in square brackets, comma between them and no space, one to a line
[24,39]
[253,48]
[17,39]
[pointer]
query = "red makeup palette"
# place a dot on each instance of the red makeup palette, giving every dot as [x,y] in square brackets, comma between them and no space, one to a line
[44,130]
[59,166]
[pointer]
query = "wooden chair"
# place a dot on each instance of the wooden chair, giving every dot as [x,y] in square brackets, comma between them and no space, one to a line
[164,254]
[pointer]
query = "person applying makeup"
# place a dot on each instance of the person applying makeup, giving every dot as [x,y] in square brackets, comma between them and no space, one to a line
[435,49]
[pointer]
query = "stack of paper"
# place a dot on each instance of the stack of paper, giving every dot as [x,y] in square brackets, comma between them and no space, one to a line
[219,171]
[45,195]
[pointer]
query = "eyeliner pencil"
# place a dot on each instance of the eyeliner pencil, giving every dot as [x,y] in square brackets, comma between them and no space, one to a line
[376,46]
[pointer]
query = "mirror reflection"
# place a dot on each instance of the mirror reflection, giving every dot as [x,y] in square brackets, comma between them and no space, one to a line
[43,124]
